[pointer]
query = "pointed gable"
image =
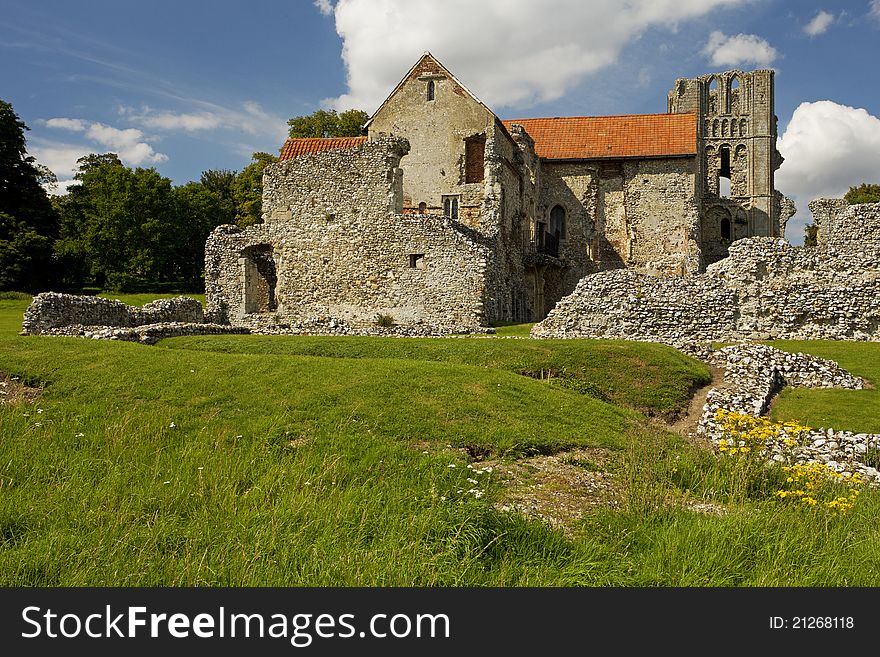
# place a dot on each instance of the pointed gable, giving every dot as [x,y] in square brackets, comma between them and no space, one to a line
[428,67]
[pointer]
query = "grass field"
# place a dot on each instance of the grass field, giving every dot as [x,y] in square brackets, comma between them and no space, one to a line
[293,461]
[841,409]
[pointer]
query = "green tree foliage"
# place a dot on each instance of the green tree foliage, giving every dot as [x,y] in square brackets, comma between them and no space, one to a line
[28,222]
[864,193]
[322,123]
[222,183]
[811,235]
[248,191]
[93,161]
[130,229]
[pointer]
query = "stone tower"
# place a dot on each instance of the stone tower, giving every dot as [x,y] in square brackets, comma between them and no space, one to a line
[736,132]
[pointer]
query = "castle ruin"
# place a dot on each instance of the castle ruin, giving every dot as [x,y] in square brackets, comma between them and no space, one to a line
[444,215]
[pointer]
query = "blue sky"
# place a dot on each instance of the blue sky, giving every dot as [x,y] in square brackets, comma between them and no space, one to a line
[187,86]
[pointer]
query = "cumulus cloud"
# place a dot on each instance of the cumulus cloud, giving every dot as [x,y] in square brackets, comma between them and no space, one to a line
[129,143]
[820,23]
[739,50]
[827,148]
[874,9]
[60,157]
[510,53]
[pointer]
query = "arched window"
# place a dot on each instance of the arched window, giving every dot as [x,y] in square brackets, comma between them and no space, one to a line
[423,207]
[713,96]
[726,233]
[733,95]
[557,222]
[724,171]
[430,92]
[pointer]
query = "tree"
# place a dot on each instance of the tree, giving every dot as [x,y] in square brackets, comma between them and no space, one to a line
[248,193]
[119,226]
[28,222]
[322,123]
[811,234]
[199,210]
[222,183]
[93,160]
[863,193]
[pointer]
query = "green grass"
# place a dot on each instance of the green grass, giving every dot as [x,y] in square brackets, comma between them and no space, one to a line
[650,378]
[324,461]
[139,299]
[855,410]
[513,330]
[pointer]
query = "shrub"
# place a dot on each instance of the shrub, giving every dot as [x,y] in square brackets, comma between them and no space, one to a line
[384,320]
[14,296]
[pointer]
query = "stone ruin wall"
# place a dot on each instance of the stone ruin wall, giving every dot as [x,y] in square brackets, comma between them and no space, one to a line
[846,226]
[53,310]
[765,289]
[335,247]
[663,215]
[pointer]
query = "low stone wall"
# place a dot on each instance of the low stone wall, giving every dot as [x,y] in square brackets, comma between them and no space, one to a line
[146,333]
[754,374]
[50,310]
[765,289]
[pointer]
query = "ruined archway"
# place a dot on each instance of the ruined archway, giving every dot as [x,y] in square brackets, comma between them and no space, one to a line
[260,278]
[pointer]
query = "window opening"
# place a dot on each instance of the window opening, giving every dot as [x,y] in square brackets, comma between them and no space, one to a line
[450,207]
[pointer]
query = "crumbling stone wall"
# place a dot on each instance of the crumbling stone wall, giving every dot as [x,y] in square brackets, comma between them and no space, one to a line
[52,310]
[340,248]
[842,225]
[765,289]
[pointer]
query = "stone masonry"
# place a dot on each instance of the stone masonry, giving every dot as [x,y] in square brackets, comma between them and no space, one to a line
[754,374]
[52,313]
[765,289]
[336,246]
[52,310]
[446,217]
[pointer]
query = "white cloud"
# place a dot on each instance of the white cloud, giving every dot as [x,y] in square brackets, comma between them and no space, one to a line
[251,118]
[59,157]
[184,121]
[820,23]
[325,6]
[77,125]
[875,9]
[827,149]
[130,143]
[510,53]
[738,50]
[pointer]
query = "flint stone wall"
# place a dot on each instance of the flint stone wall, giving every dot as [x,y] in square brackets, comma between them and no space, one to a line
[754,374]
[765,289]
[52,310]
[338,248]
[846,226]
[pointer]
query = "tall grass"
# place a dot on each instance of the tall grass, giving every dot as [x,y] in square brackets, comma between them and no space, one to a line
[295,461]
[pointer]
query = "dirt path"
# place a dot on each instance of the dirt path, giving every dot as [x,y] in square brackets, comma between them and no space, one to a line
[686,426]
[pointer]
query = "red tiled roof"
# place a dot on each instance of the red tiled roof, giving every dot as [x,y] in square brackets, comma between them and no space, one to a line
[310,145]
[594,137]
